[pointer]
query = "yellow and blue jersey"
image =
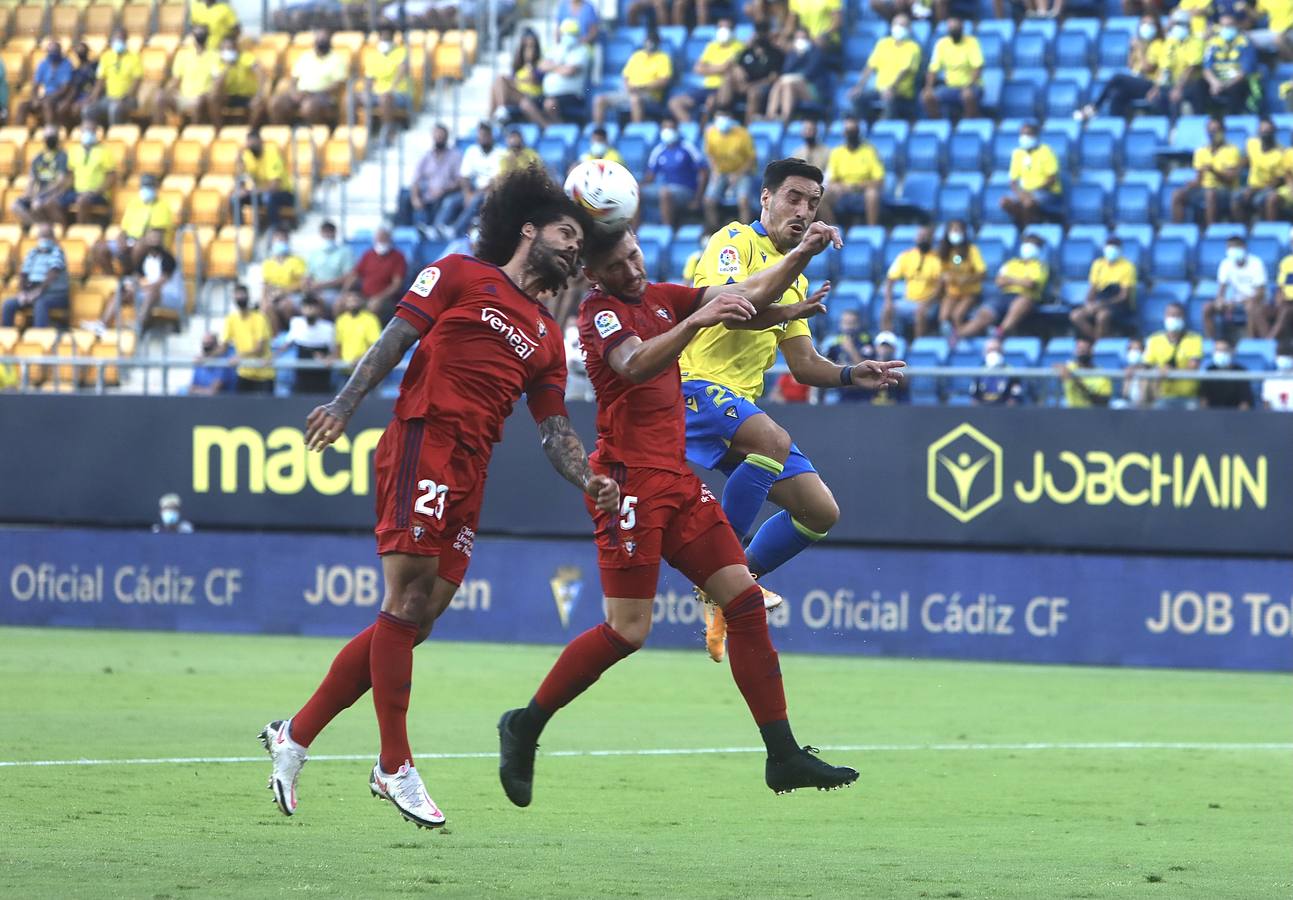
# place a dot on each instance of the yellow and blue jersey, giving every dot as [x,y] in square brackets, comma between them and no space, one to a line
[737,360]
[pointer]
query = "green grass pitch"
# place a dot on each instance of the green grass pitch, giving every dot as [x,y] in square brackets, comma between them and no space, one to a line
[991,819]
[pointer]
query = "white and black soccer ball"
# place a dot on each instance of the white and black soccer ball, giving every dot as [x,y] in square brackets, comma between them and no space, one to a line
[606,190]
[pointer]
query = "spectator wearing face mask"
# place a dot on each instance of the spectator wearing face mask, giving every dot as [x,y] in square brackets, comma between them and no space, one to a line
[49,184]
[1137,389]
[1081,391]
[317,81]
[1217,166]
[1282,320]
[1225,394]
[1270,166]
[216,16]
[239,84]
[154,285]
[189,91]
[963,273]
[855,179]
[1020,284]
[804,79]
[1241,290]
[42,281]
[1230,69]
[1180,86]
[51,88]
[565,78]
[888,80]
[357,329]
[716,62]
[1110,296]
[387,90]
[143,213]
[481,163]
[211,372]
[436,192]
[646,76]
[1174,349]
[815,153]
[920,270]
[327,266]
[1277,393]
[677,175]
[311,336]
[732,161]
[1146,65]
[114,97]
[264,180]
[599,148]
[93,176]
[998,388]
[821,20]
[1035,185]
[757,68]
[379,276]
[952,83]
[247,334]
[284,274]
[517,155]
[170,518]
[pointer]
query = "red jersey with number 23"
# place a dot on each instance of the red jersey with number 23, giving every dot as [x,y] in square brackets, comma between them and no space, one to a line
[485,342]
[639,425]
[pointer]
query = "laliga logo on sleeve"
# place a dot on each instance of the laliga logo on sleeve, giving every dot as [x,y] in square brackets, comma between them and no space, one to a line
[729,261]
[426,281]
[606,323]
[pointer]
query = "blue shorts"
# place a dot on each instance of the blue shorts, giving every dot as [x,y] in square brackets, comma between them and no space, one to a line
[1049,202]
[711,425]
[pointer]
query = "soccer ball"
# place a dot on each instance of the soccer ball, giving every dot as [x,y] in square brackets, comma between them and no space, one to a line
[607,190]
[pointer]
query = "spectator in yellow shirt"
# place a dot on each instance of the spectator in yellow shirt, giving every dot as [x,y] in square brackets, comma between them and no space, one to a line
[1218,165]
[1282,319]
[142,214]
[1277,36]
[646,77]
[854,179]
[889,78]
[357,329]
[113,97]
[1083,391]
[963,273]
[1180,61]
[92,176]
[1268,170]
[521,91]
[284,274]
[732,160]
[1111,294]
[821,20]
[239,84]
[517,155]
[1020,284]
[264,181]
[920,270]
[957,62]
[317,81]
[216,16]
[716,62]
[599,147]
[387,83]
[189,93]
[247,331]
[1173,349]
[1036,189]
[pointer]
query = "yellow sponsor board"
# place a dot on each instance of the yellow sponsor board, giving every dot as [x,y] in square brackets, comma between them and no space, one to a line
[244,459]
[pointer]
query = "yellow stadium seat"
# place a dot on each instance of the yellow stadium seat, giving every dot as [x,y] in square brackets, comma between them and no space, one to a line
[188,156]
[276,134]
[194,246]
[87,306]
[121,152]
[136,18]
[112,345]
[304,162]
[77,253]
[278,40]
[269,59]
[337,159]
[8,339]
[351,41]
[224,156]
[204,133]
[100,18]
[29,20]
[15,64]
[36,342]
[168,42]
[11,157]
[156,62]
[126,132]
[65,21]
[170,18]
[208,207]
[87,234]
[25,246]
[447,62]
[234,133]
[358,139]
[6,259]
[293,53]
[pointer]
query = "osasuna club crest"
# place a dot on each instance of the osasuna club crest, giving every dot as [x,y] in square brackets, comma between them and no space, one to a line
[630,547]
[543,329]
[418,531]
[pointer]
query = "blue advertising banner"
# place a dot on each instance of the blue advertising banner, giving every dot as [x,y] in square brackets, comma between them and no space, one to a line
[1044,608]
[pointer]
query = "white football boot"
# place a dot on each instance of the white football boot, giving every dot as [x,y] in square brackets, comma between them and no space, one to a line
[408,794]
[287,757]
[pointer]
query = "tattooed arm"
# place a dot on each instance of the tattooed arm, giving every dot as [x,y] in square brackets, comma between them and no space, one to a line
[326,423]
[565,451]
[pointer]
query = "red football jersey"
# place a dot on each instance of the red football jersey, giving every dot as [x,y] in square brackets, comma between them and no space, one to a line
[485,342]
[637,424]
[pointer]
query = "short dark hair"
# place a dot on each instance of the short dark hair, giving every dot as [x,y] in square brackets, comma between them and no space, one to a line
[521,196]
[600,241]
[779,170]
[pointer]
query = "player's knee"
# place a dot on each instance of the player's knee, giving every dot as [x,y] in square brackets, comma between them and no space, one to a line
[633,629]
[821,515]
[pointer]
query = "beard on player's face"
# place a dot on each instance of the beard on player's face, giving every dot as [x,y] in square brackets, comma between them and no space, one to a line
[551,268]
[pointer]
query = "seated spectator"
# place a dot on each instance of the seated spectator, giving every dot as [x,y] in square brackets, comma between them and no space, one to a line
[1020,283]
[1217,166]
[84,73]
[379,276]
[1180,86]
[848,347]
[216,16]
[677,174]
[599,147]
[787,390]
[248,333]
[953,81]
[317,81]
[1241,293]
[264,181]
[518,155]
[758,66]
[884,350]
[730,152]
[999,388]
[1036,188]
[52,88]
[42,282]
[436,193]
[588,26]
[804,80]
[154,285]
[327,266]
[1174,348]
[1270,167]
[239,85]
[1283,290]
[49,184]
[481,162]
[212,374]
[170,519]
[854,179]
[1111,296]
[716,63]
[387,91]
[1083,391]
[893,65]
[1137,389]
[1277,393]
[963,272]
[521,92]
[284,276]
[312,336]
[1225,394]
[189,91]
[565,77]
[920,270]
[646,78]
[357,329]
[1230,69]
[694,257]
[143,213]
[1277,37]
[821,20]
[815,153]
[1146,64]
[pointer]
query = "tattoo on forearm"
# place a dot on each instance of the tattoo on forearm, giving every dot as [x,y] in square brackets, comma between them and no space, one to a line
[565,450]
[376,364]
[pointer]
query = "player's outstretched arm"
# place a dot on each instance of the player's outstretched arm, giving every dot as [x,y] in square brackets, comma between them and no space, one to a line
[811,368]
[327,423]
[639,360]
[565,451]
[778,313]
[765,287]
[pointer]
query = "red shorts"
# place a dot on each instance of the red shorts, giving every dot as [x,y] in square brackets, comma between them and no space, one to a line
[663,515]
[429,491]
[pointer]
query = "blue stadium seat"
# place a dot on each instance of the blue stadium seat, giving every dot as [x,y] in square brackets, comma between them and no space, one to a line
[1072,293]
[995,252]
[920,189]
[858,261]
[991,29]
[992,81]
[647,131]
[1176,179]
[1256,354]
[653,257]
[924,153]
[635,151]
[1111,352]
[1149,310]
[676,258]
[1135,199]
[1269,250]
[1021,93]
[846,297]
[661,234]
[957,201]
[993,46]
[1211,249]
[1239,129]
[932,346]
[1022,351]
[990,211]
[1169,259]
[1076,256]
[859,44]
[1136,243]
[1093,233]
[1074,47]
[1061,135]
[1144,139]
[1190,133]
[1066,92]
[1004,141]
[566,132]
[966,152]
[1115,41]
[1032,45]
[555,155]
[1087,203]
[1058,350]
[1098,150]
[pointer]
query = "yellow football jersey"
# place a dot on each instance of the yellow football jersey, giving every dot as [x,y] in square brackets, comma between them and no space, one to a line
[738,359]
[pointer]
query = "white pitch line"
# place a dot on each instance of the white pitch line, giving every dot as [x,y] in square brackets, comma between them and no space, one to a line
[1032,746]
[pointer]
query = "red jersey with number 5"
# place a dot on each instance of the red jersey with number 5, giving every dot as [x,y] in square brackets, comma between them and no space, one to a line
[640,425]
[485,342]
